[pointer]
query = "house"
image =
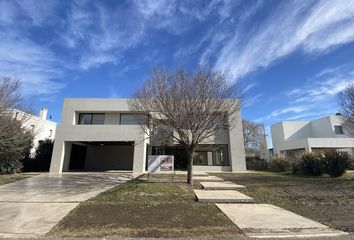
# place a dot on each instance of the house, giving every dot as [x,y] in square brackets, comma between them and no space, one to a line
[104,134]
[41,127]
[324,133]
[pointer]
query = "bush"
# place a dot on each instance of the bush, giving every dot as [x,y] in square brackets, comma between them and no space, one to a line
[311,163]
[280,163]
[255,163]
[42,158]
[9,165]
[335,162]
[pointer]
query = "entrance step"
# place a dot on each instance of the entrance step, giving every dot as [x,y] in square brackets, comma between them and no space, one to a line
[220,185]
[222,196]
[208,178]
[269,221]
[194,173]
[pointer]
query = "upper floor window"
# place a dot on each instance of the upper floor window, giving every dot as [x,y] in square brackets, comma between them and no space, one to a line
[131,118]
[338,129]
[50,133]
[91,119]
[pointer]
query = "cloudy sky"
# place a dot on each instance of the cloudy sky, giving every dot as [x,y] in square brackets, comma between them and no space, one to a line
[292,57]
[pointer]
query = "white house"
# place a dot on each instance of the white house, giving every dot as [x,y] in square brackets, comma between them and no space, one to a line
[103,134]
[41,127]
[323,133]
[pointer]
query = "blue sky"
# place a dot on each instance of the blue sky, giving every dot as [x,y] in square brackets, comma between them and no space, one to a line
[292,57]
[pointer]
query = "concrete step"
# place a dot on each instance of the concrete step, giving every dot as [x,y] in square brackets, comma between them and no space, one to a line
[208,179]
[269,221]
[220,185]
[222,196]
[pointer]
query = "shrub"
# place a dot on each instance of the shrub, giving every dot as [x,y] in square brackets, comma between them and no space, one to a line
[311,163]
[255,163]
[42,158]
[280,163]
[336,162]
[9,165]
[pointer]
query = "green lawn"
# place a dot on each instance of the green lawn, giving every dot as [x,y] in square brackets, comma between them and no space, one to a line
[324,199]
[146,209]
[9,178]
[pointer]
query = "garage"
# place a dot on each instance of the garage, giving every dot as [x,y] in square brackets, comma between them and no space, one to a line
[101,156]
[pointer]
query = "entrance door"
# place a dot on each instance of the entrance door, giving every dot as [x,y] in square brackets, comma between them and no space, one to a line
[180,157]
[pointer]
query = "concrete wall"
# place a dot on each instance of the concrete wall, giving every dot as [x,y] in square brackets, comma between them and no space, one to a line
[318,133]
[109,157]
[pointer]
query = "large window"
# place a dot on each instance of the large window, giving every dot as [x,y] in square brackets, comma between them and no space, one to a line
[131,118]
[91,119]
[338,129]
[211,155]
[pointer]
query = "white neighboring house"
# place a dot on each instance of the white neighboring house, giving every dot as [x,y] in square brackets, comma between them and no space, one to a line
[39,125]
[323,133]
[104,134]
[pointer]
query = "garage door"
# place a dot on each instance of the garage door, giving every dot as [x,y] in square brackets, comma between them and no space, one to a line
[102,156]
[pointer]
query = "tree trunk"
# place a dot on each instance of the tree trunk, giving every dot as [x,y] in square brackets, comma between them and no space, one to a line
[190,153]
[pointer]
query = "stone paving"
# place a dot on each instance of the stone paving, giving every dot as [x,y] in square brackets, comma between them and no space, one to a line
[220,186]
[208,178]
[33,206]
[222,196]
[267,221]
[259,220]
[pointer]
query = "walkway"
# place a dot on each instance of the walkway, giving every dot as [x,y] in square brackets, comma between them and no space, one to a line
[259,220]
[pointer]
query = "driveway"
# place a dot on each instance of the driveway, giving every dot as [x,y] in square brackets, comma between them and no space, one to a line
[33,206]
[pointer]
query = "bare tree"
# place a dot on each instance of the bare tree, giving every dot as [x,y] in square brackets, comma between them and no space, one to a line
[346,105]
[14,138]
[187,108]
[254,137]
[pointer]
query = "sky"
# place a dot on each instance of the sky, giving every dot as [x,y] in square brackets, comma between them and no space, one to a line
[290,57]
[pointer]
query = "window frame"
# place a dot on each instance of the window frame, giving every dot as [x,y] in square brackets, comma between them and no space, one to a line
[341,132]
[91,118]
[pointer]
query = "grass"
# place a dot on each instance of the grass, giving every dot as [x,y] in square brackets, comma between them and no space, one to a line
[158,208]
[324,199]
[9,178]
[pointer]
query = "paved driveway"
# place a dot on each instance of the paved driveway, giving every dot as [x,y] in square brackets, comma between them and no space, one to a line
[33,206]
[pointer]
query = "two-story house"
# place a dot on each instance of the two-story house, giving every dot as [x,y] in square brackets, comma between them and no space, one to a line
[324,133]
[104,134]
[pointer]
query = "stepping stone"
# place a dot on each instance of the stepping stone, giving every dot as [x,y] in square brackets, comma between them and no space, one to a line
[220,185]
[269,221]
[222,196]
[208,178]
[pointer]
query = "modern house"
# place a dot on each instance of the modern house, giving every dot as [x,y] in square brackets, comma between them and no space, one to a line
[104,134]
[324,133]
[41,127]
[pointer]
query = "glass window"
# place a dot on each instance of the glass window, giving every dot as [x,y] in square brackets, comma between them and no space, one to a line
[338,130]
[97,118]
[203,158]
[221,157]
[131,118]
[50,133]
[91,118]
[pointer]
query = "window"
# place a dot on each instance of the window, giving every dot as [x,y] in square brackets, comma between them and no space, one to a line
[211,155]
[32,128]
[201,158]
[91,119]
[338,130]
[131,118]
[50,133]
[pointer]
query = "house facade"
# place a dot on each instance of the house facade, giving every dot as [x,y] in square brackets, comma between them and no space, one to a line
[104,134]
[41,127]
[324,133]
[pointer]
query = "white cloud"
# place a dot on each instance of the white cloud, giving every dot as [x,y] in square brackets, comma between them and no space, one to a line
[312,27]
[316,99]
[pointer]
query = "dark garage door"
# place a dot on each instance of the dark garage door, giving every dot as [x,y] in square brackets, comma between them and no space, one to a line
[102,156]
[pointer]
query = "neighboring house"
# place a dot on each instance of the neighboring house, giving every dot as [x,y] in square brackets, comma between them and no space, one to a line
[325,133]
[103,134]
[39,125]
